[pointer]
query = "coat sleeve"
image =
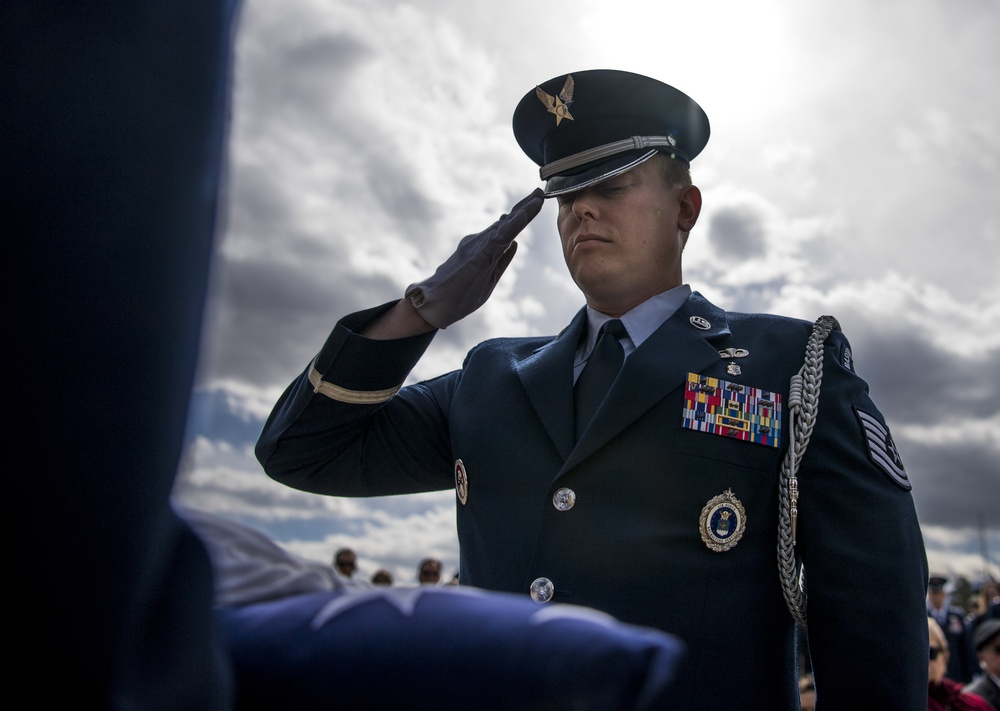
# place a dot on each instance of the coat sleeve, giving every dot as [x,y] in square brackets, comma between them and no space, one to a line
[862,551]
[345,427]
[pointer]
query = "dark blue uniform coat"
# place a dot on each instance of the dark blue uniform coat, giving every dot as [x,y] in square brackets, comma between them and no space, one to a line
[962,662]
[631,545]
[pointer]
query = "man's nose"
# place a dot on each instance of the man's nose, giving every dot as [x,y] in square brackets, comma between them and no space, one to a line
[584,205]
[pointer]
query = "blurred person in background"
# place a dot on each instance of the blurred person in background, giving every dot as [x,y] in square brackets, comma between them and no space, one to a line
[989,605]
[943,693]
[951,620]
[346,562]
[807,693]
[987,643]
[429,571]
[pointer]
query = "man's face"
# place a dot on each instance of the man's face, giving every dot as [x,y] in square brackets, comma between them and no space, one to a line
[346,564]
[430,573]
[622,238]
[936,598]
[989,656]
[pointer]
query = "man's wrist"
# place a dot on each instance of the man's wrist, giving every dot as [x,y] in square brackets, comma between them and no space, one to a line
[401,321]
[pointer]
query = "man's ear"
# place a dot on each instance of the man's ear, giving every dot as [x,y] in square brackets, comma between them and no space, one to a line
[690,203]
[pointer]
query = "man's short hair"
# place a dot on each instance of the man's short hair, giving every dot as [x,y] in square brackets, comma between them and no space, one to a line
[675,171]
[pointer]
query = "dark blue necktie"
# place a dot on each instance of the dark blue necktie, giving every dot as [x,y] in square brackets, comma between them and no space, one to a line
[601,370]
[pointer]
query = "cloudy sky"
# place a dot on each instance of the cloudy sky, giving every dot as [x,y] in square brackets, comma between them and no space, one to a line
[853,169]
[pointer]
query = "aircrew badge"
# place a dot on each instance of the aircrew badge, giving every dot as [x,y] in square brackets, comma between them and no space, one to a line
[558,105]
[732,354]
[732,410]
[723,521]
[461,482]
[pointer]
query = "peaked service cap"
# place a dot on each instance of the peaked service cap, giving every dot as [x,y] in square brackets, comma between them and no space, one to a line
[936,583]
[985,633]
[585,127]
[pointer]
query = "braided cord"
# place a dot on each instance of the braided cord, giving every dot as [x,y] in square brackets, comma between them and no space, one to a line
[803,407]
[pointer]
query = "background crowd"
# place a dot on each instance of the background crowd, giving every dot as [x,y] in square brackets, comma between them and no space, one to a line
[963,625]
[963,671]
[428,570]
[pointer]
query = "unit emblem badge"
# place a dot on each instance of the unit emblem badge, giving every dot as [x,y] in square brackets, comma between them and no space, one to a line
[723,522]
[461,482]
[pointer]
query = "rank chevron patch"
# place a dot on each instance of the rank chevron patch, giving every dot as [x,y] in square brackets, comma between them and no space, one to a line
[732,410]
[881,449]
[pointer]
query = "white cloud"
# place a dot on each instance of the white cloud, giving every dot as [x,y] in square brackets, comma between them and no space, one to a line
[853,168]
[953,551]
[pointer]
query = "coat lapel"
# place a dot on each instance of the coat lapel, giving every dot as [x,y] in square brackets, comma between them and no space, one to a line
[656,368]
[547,376]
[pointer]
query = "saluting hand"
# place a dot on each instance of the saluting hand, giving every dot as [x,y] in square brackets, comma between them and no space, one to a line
[467,278]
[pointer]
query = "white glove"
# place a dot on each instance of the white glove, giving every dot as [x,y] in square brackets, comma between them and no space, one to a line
[467,278]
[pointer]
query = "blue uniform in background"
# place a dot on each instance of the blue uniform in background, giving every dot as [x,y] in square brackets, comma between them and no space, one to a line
[962,664]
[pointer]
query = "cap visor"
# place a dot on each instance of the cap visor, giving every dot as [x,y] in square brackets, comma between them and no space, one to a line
[562,184]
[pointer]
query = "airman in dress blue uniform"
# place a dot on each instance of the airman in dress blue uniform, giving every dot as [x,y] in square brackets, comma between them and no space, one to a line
[961,657]
[664,506]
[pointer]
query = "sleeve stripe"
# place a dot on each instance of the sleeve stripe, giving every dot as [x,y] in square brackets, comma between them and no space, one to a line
[887,463]
[353,397]
[872,425]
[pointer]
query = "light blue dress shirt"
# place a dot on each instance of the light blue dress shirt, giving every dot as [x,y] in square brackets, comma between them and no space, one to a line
[640,323]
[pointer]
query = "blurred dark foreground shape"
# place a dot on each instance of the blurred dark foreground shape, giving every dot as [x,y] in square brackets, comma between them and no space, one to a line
[112,131]
[303,637]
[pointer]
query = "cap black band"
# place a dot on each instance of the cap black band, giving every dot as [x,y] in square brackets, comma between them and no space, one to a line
[636,143]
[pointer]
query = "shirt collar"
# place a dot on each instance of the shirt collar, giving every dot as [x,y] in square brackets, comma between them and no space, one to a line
[640,322]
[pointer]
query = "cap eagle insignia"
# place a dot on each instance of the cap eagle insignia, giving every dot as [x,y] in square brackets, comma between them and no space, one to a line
[558,105]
